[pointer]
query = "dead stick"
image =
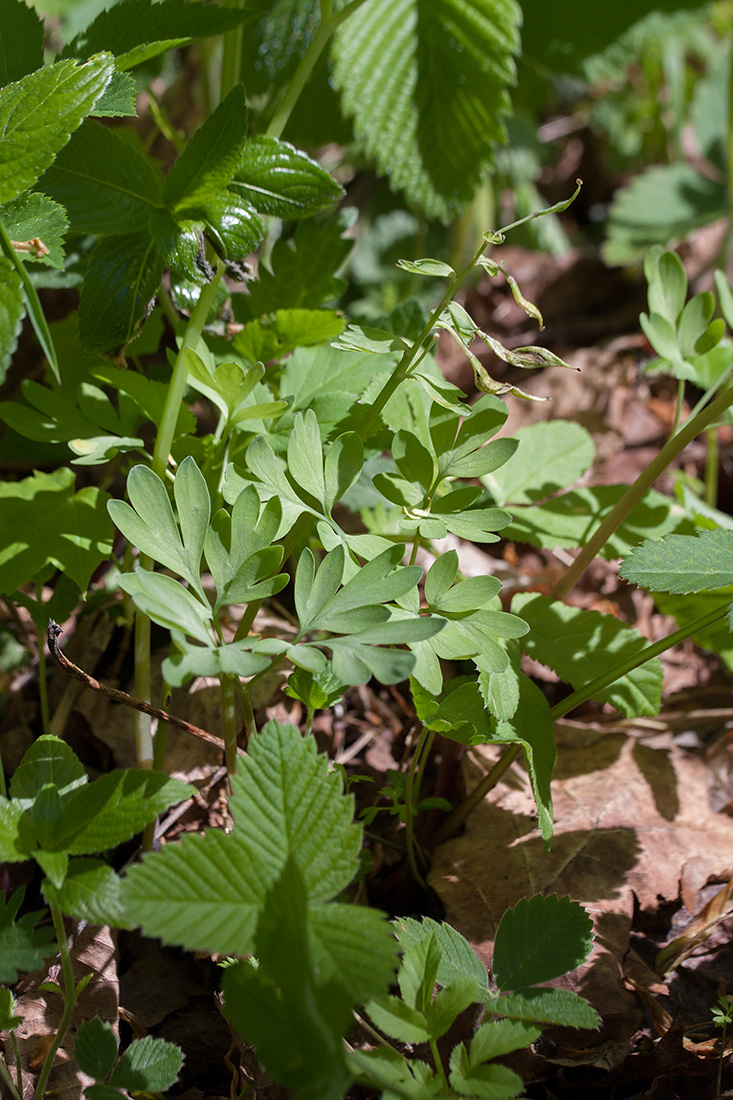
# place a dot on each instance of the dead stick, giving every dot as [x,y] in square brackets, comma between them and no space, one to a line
[54,630]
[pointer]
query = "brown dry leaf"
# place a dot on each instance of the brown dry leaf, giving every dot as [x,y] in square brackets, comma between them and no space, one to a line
[93,949]
[630,816]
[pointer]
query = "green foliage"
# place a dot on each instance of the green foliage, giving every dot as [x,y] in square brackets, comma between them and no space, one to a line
[148,1065]
[23,945]
[54,812]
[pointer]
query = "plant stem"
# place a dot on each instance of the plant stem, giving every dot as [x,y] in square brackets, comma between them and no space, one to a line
[69,1000]
[33,305]
[143,737]
[42,677]
[711,468]
[231,62]
[329,23]
[411,790]
[635,492]
[229,722]
[624,667]
[7,1081]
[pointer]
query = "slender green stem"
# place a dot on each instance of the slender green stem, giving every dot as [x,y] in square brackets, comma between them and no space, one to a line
[438,1063]
[7,1081]
[179,378]
[143,723]
[455,820]
[40,622]
[69,1000]
[719,1082]
[326,28]
[410,798]
[229,722]
[679,405]
[711,468]
[635,492]
[231,62]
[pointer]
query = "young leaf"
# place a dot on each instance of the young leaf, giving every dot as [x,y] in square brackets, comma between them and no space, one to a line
[90,891]
[445,69]
[150,524]
[579,645]
[23,946]
[148,1065]
[105,184]
[286,995]
[540,939]
[277,179]
[95,1048]
[208,891]
[682,563]
[38,114]
[457,957]
[21,40]
[211,157]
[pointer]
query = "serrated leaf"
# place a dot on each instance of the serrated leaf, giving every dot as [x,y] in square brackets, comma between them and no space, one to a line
[23,946]
[21,40]
[140,29]
[207,892]
[483,1082]
[122,279]
[579,645]
[499,1037]
[105,184]
[550,456]
[95,1048]
[148,1065]
[546,1006]
[90,891]
[48,760]
[32,216]
[12,311]
[449,1003]
[280,180]
[398,1020]
[119,98]
[232,225]
[457,958]
[8,1004]
[539,939]
[445,70]
[211,157]
[48,523]
[682,563]
[38,114]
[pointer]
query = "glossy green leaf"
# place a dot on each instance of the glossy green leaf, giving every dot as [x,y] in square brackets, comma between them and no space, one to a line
[280,180]
[32,215]
[38,114]
[444,74]
[579,645]
[121,282]
[682,563]
[539,939]
[211,157]
[105,184]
